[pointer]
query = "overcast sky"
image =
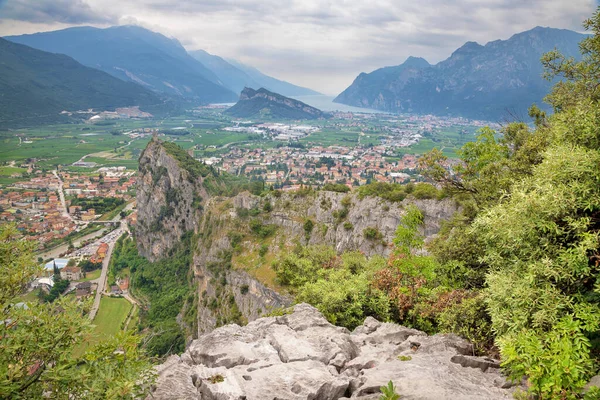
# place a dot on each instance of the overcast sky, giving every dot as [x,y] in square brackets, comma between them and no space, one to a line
[321,44]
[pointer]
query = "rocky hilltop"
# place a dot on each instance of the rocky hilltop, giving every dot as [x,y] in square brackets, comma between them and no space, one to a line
[476,81]
[263,103]
[169,197]
[302,356]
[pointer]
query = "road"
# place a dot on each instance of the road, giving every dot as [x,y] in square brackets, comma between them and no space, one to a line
[116,234]
[63,249]
[61,195]
[103,275]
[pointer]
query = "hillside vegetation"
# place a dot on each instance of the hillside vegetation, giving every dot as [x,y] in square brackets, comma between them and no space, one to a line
[36,86]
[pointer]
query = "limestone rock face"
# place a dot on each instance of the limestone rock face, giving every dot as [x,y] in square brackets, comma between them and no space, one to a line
[300,356]
[168,202]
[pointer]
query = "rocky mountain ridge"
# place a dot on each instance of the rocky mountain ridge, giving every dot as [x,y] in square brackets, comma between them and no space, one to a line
[483,82]
[169,199]
[301,356]
[263,103]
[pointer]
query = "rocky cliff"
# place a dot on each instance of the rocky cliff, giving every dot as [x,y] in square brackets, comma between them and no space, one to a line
[169,199]
[236,282]
[302,356]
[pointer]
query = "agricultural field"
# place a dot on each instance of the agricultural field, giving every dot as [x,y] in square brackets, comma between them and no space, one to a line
[111,315]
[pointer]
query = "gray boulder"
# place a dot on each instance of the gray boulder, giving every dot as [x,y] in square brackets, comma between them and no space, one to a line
[300,356]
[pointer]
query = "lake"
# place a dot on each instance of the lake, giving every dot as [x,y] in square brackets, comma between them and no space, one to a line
[325,103]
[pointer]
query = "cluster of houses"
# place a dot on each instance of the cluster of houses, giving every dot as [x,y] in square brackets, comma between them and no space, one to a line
[68,269]
[36,209]
[100,254]
[106,182]
[288,167]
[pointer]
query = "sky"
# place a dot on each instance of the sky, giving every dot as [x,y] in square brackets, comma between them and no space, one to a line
[320,44]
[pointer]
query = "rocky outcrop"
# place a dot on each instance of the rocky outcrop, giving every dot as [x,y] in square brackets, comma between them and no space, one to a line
[169,201]
[230,294]
[253,103]
[302,356]
[340,219]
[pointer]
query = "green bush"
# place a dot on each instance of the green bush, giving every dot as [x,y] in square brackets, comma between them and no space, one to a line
[427,191]
[336,187]
[371,233]
[308,227]
[261,230]
[348,225]
[264,249]
[244,289]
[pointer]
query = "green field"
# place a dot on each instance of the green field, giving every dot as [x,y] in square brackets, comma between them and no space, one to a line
[89,276]
[112,313]
[332,137]
[31,297]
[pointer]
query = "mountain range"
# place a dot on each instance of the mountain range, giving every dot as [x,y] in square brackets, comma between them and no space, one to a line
[262,103]
[36,86]
[133,53]
[494,81]
[237,76]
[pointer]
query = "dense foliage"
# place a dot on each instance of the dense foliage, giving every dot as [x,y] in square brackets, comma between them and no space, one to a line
[529,236]
[165,288]
[38,340]
[60,285]
[100,205]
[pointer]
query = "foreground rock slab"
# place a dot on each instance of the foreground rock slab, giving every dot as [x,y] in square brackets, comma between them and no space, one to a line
[301,356]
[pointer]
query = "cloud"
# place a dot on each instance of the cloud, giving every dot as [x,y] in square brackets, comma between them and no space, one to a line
[59,11]
[322,44]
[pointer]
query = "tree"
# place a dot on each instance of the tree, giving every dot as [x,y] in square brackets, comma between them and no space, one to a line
[537,228]
[38,341]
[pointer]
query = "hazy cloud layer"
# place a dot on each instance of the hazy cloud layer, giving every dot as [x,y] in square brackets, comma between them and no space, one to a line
[54,11]
[322,44]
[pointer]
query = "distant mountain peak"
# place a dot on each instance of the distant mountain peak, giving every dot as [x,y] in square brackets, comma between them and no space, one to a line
[134,53]
[480,82]
[236,76]
[467,48]
[416,62]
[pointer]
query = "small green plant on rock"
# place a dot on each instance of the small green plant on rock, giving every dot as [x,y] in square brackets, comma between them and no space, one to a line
[389,392]
[218,378]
